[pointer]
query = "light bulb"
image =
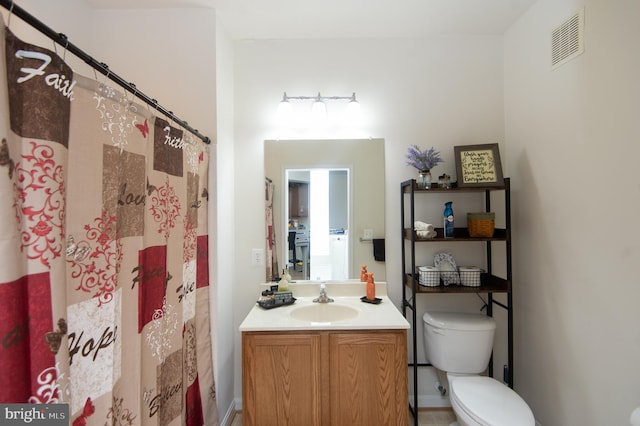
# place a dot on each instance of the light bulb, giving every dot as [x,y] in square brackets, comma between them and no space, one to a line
[353,111]
[285,111]
[319,111]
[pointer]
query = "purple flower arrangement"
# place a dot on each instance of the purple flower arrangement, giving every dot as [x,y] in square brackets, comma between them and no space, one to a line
[423,160]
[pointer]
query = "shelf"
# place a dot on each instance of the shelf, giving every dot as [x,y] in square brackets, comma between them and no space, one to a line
[459,234]
[407,185]
[488,284]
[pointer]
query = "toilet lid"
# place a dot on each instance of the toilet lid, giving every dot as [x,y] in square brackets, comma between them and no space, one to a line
[490,402]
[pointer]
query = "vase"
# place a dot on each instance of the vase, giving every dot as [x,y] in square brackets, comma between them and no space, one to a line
[424,179]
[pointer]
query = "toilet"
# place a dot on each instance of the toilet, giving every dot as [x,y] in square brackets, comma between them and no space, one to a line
[459,345]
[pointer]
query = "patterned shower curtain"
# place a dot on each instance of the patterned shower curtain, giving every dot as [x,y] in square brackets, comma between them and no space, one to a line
[272,256]
[104,281]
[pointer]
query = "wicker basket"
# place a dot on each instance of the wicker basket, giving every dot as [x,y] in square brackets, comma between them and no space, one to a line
[481,224]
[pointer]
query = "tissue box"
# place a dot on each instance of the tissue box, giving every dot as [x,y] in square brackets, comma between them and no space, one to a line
[470,275]
[428,276]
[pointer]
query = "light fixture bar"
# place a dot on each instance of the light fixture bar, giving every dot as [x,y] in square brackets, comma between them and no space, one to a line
[319,98]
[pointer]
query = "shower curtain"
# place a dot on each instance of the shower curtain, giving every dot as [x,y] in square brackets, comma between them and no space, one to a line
[104,282]
[272,257]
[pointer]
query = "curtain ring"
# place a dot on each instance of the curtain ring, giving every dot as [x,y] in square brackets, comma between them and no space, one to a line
[10,13]
[135,92]
[66,46]
[105,66]
[155,102]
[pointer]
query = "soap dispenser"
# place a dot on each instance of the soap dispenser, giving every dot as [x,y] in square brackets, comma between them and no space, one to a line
[283,284]
[371,287]
[448,220]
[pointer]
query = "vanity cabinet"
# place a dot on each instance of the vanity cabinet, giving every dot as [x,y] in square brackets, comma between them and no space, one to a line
[328,377]
[490,283]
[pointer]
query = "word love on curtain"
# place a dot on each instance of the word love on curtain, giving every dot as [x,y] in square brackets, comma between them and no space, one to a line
[104,282]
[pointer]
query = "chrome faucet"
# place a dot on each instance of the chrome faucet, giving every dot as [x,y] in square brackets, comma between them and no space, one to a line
[323,298]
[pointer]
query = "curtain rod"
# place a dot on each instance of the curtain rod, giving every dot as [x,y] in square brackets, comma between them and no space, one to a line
[103,68]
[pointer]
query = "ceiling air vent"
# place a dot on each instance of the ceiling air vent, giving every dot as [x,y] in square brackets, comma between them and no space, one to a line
[567,40]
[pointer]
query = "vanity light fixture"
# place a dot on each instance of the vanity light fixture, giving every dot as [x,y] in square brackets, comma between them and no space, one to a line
[319,107]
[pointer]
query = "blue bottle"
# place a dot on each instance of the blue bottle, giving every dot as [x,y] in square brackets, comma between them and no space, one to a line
[448,220]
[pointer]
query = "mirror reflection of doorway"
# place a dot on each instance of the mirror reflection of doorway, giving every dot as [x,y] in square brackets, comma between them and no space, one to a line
[364,159]
[318,223]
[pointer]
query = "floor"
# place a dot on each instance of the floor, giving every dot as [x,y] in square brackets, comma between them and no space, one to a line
[426,417]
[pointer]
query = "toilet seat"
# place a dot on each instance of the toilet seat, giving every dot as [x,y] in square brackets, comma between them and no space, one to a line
[488,402]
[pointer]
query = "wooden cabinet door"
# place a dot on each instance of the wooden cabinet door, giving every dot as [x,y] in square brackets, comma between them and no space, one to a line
[368,378]
[281,379]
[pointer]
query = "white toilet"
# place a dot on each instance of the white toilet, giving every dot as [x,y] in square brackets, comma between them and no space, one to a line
[460,345]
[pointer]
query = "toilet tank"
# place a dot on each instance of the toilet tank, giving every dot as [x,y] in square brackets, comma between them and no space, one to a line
[457,342]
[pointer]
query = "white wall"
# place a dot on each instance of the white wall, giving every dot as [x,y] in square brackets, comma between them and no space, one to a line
[573,145]
[226,357]
[441,92]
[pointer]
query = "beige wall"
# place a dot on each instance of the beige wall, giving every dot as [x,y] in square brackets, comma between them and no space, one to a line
[573,142]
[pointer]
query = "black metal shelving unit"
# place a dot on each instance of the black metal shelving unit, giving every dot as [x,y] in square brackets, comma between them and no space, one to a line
[489,283]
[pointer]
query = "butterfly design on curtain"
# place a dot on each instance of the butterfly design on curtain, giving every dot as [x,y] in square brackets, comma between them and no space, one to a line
[78,252]
[144,128]
[150,188]
[5,159]
[87,411]
[54,338]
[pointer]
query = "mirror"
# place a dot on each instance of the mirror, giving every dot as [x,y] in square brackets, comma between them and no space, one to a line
[325,193]
[324,238]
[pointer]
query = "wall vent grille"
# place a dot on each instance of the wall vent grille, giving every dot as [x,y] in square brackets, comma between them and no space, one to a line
[567,40]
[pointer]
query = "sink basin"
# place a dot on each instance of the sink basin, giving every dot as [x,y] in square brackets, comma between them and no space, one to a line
[324,312]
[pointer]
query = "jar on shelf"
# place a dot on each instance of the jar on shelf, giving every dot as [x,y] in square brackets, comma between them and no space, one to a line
[424,179]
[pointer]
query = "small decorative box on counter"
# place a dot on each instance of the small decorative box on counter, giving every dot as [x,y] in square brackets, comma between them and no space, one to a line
[481,224]
[273,299]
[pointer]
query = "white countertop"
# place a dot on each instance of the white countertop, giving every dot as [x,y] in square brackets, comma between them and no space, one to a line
[384,315]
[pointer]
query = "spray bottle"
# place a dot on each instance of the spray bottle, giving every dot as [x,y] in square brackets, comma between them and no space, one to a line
[448,220]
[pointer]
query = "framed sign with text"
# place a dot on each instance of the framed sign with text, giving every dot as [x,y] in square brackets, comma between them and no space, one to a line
[478,165]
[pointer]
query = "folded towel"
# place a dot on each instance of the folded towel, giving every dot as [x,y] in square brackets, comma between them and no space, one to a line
[426,234]
[421,226]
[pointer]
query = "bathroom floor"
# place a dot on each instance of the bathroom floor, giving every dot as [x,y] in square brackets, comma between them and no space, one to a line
[430,417]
